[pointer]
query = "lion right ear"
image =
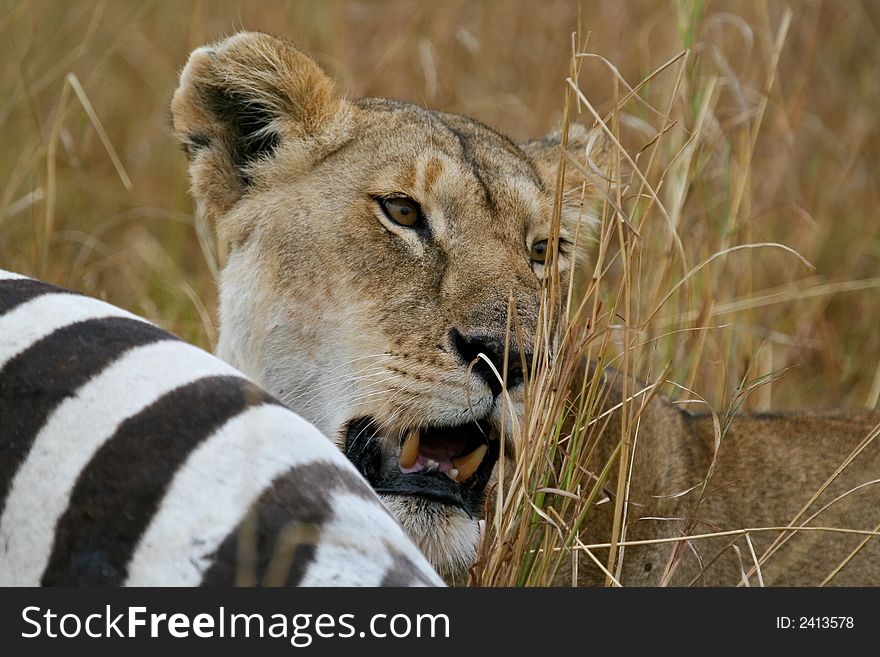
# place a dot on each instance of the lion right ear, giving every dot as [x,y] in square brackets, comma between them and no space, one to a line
[593,150]
[238,103]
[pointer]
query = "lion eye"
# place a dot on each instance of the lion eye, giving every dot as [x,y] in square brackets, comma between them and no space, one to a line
[538,252]
[401,210]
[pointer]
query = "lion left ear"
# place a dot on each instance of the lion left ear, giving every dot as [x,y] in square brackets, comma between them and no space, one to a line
[592,149]
[239,102]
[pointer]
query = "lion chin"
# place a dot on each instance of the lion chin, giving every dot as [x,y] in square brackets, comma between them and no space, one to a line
[445,534]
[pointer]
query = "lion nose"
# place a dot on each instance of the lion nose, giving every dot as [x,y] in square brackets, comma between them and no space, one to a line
[471,344]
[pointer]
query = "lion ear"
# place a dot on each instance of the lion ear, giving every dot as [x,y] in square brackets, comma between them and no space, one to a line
[241,100]
[592,150]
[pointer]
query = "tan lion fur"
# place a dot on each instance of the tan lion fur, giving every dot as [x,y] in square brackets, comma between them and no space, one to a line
[341,313]
[768,466]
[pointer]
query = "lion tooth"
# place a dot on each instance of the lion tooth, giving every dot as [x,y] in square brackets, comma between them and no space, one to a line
[409,453]
[452,473]
[467,465]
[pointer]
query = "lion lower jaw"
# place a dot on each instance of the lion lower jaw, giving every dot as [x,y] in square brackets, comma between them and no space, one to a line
[446,535]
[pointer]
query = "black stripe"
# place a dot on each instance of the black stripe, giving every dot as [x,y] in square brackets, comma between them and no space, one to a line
[36,381]
[402,571]
[16,291]
[121,488]
[299,498]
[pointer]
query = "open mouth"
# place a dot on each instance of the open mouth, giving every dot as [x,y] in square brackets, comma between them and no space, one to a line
[451,465]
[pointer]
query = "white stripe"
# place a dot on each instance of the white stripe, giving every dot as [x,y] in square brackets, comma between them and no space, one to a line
[73,433]
[358,536]
[9,275]
[45,314]
[216,486]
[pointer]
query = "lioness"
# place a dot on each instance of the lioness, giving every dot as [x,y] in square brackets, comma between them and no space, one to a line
[374,246]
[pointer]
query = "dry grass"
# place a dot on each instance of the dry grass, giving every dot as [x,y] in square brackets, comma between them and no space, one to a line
[750,125]
[693,285]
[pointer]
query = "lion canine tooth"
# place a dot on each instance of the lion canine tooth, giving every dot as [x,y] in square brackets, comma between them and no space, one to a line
[409,453]
[467,465]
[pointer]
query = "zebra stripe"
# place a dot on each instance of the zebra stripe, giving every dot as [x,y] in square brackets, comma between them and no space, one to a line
[394,566]
[248,469]
[30,320]
[34,316]
[130,457]
[74,432]
[38,379]
[286,549]
[111,504]
[19,290]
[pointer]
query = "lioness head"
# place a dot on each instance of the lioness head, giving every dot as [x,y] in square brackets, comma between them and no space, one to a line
[374,250]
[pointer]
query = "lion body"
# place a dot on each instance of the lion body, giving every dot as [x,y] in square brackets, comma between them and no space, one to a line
[768,466]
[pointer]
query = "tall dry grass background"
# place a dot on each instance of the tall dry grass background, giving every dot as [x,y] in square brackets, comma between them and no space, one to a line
[752,123]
